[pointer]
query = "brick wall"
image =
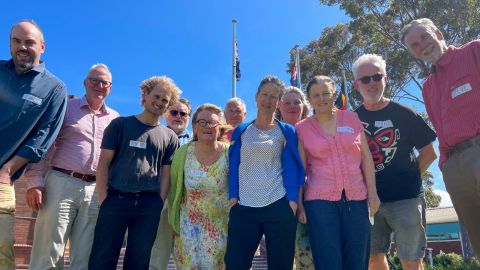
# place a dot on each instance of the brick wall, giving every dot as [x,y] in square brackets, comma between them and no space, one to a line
[24,225]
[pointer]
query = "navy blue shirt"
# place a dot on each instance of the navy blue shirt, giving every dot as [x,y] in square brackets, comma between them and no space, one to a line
[32,107]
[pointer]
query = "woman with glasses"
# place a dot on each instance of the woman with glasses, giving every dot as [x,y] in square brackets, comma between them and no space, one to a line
[265,174]
[293,108]
[198,204]
[340,182]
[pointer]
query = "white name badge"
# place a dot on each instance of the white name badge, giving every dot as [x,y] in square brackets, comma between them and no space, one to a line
[198,173]
[137,144]
[32,99]
[461,90]
[345,129]
[383,124]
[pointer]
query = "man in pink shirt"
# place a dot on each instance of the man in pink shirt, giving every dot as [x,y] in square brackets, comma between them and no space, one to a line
[62,187]
[452,96]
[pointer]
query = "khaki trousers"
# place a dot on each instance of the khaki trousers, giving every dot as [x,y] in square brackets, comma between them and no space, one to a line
[461,173]
[7,221]
[163,246]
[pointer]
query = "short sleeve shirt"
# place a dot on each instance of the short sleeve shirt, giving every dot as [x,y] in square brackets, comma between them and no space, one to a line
[393,133]
[140,152]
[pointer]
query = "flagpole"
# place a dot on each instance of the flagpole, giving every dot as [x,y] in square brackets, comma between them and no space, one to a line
[297,61]
[234,62]
[346,92]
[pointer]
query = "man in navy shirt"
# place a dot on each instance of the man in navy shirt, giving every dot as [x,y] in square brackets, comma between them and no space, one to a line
[33,104]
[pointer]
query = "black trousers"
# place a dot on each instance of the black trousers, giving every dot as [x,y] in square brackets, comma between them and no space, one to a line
[140,213]
[246,227]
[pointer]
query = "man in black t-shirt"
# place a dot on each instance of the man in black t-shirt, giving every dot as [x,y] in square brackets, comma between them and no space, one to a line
[393,132]
[133,178]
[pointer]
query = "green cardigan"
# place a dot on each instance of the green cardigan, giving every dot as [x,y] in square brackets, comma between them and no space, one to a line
[177,186]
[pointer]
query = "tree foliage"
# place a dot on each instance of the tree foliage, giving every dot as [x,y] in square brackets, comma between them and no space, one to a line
[375,28]
[432,199]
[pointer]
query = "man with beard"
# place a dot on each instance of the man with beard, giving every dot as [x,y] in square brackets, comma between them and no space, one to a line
[133,178]
[33,104]
[393,132]
[452,96]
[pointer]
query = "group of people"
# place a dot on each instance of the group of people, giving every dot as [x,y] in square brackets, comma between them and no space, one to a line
[326,188]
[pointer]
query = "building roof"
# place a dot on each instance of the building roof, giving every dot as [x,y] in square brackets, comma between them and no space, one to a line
[441,215]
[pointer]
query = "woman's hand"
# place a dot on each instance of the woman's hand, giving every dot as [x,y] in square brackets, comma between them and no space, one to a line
[302,217]
[294,206]
[373,203]
[232,202]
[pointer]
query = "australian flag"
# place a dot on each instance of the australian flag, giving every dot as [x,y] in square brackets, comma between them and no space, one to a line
[294,78]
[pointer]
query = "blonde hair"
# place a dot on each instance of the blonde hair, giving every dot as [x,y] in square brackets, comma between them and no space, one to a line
[165,83]
[217,111]
[301,96]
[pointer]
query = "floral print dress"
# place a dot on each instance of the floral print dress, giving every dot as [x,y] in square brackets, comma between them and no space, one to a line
[202,241]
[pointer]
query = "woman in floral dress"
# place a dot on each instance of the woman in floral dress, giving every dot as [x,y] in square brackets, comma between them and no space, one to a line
[199,194]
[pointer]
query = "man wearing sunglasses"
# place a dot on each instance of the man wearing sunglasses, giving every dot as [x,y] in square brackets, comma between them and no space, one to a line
[394,131]
[177,117]
[33,104]
[62,186]
[452,96]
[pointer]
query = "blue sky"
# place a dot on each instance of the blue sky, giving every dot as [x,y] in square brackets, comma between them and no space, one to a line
[189,41]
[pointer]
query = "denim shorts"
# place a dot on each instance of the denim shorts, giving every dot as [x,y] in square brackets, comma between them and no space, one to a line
[406,220]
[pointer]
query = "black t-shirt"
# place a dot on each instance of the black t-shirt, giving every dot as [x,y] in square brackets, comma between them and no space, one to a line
[392,133]
[140,152]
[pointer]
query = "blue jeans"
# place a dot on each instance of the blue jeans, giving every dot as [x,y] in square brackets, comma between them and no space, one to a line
[339,234]
[140,213]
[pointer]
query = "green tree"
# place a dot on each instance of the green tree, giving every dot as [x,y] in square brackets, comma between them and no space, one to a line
[375,28]
[432,199]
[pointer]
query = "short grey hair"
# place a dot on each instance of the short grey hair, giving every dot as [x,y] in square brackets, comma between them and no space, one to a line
[370,59]
[425,22]
[97,65]
[237,100]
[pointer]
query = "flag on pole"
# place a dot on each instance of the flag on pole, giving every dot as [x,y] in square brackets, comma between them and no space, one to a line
[294,78]
[341,102]
[237,63]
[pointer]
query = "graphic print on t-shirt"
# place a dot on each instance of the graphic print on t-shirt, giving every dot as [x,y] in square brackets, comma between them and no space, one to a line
[383,142]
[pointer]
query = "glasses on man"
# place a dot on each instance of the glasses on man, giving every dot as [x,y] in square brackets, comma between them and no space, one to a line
[96,82]
[174,113]
[367,79]
[205,123]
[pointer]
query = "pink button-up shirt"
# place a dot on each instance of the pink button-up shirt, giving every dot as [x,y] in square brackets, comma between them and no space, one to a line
[77,146]
[452,96]
[333,162]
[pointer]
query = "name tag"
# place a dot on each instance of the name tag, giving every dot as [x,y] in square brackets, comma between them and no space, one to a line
[198,173]
[32,99]
[461,89]
[345,129]
[137,144]
[383,124]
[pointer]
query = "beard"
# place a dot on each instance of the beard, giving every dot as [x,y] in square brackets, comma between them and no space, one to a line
[23,63]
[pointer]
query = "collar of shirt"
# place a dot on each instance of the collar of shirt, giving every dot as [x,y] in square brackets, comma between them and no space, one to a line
[38,68]
[103,111]
[445,59]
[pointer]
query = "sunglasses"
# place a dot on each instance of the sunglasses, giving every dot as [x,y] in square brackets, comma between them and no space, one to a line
[376,78]
[174,113]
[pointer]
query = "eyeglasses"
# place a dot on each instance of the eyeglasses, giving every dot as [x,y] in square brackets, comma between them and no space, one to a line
[376,78]
[96,81]
[174,113]
[205,123]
